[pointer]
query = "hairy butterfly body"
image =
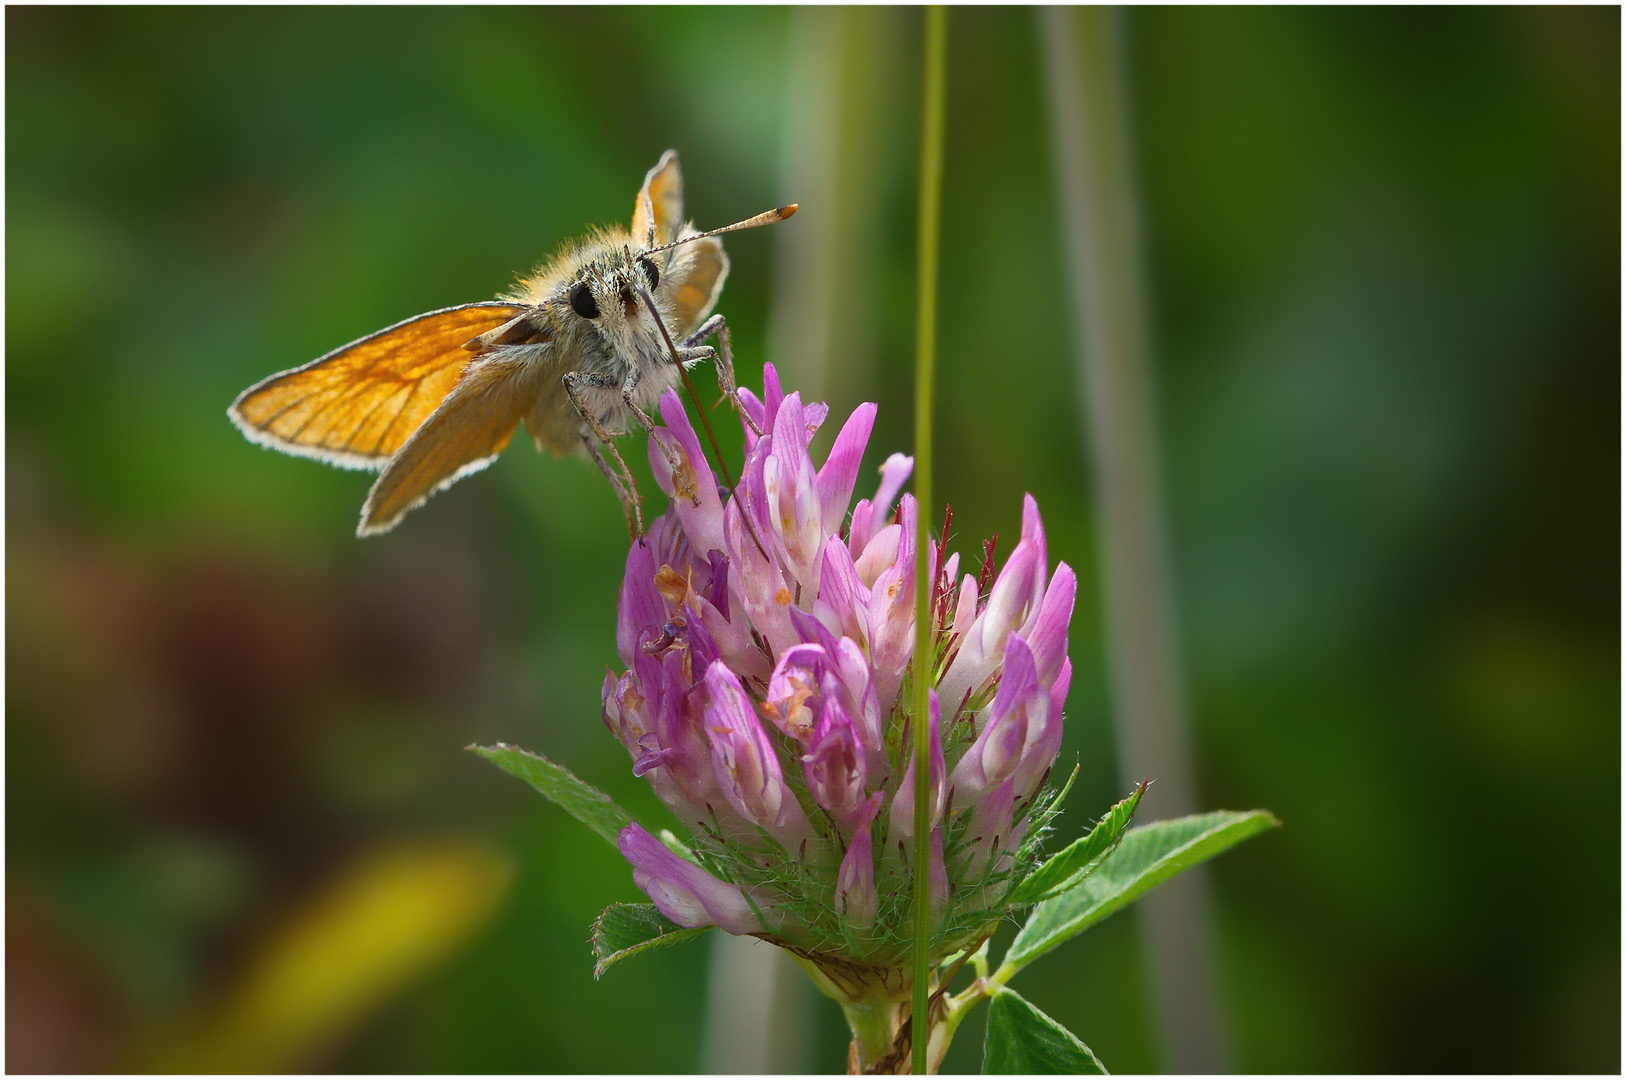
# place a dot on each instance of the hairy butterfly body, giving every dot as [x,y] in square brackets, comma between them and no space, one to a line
[577,352]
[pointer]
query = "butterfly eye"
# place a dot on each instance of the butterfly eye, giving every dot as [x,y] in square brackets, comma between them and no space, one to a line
[650,272]
[581,299]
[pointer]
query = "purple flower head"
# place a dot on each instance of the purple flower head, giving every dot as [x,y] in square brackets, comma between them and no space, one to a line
[767,635]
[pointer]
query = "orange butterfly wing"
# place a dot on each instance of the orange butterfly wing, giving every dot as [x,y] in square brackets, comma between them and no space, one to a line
[699,268]
[658,210]
[464,435]
[358,405]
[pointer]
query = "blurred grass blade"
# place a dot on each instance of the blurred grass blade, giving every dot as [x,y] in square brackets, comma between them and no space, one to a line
[1021,1039]
[581,800]
[1146,857]
[1067,867]
[392,916]
[624,930]
[1094,137]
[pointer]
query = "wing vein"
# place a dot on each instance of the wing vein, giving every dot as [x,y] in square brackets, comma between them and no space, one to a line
[350,439]
[384,436]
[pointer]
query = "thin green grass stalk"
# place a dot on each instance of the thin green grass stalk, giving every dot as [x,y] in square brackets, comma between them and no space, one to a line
[931,187]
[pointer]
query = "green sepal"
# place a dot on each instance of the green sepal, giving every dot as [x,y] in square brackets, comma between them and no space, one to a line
[1145,857]
[581,800]
[624,930]
[1067,867]
[1061,796]
[1021,1039]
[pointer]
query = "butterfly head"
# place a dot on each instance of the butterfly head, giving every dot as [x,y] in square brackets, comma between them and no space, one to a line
[602,292]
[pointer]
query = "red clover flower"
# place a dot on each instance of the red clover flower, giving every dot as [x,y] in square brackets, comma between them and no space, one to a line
[767,638]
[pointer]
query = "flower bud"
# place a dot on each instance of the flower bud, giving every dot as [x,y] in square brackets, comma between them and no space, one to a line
[903,804]
[1021,709]
[871,513]
[683,892]
[744,762]
[834,763]
[855,899]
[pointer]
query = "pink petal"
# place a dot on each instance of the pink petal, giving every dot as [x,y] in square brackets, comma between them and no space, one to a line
[840,471]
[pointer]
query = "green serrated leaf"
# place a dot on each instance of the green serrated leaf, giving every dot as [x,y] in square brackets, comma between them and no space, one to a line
[1146,857]
[624,930]
[1067,867]
[1021,1039]
[581,800]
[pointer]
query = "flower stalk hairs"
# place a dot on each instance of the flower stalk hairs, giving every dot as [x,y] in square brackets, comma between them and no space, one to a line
[766,636]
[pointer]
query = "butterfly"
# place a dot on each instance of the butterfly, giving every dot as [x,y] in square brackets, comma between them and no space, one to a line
[577,352]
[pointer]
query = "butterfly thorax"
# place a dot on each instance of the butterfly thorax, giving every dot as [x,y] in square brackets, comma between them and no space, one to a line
[589,315]
[619,338]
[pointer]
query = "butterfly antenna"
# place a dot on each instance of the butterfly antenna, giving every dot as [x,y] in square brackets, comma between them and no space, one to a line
[767,217]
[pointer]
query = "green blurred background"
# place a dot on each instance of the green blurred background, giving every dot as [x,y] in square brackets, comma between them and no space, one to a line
[1385,274]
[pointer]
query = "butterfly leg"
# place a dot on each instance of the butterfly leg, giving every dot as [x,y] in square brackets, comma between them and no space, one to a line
[628,496]
[680,473]
[597,439]
[723,356]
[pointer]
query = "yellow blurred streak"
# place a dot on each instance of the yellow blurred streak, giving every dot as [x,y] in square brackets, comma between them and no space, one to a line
[388,919]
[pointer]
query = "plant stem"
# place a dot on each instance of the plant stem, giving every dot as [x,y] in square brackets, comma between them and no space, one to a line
[871,1023]
[931,186]
[983,986]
